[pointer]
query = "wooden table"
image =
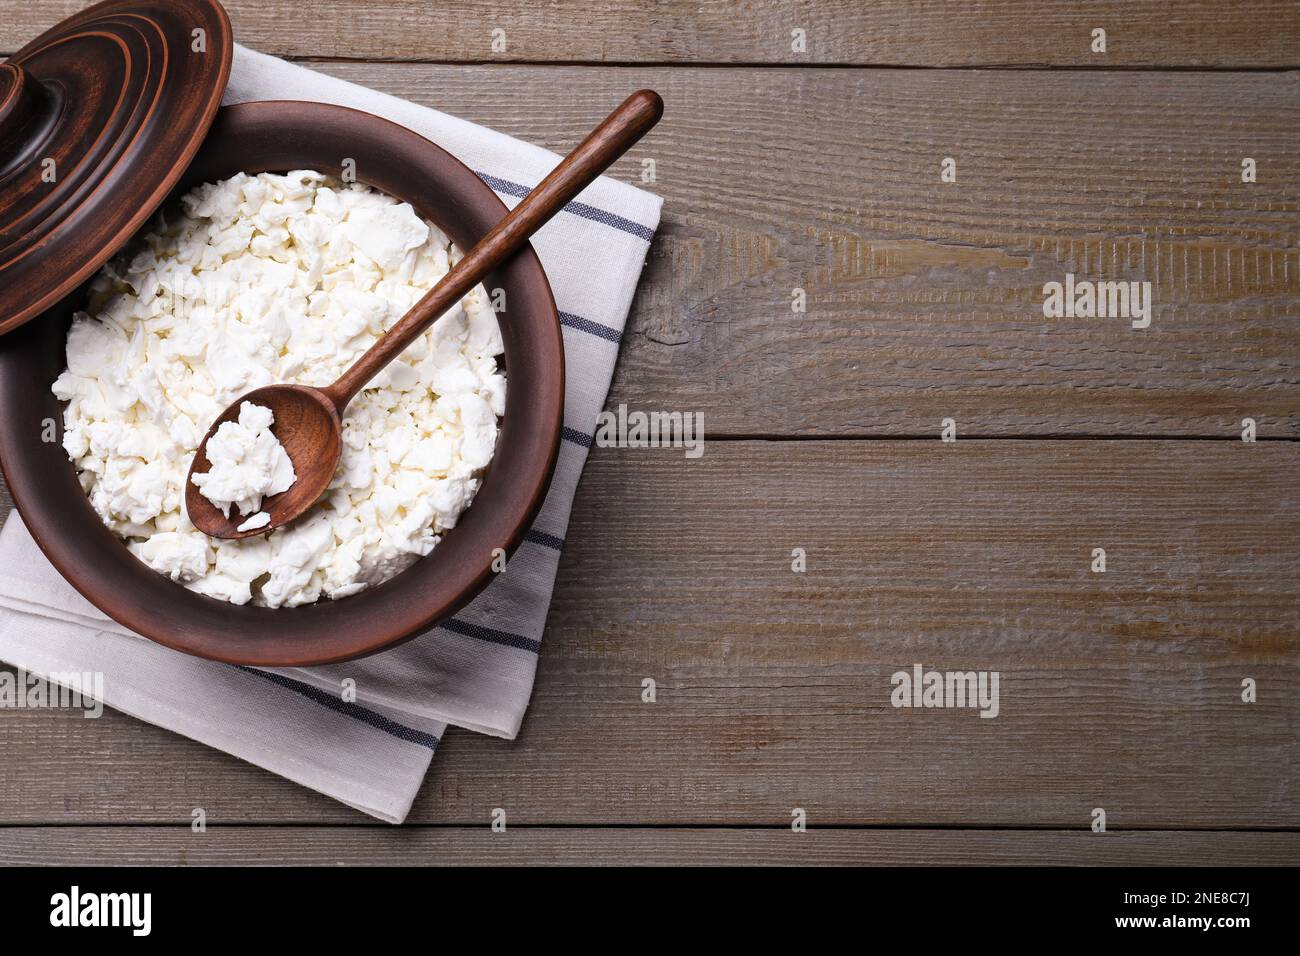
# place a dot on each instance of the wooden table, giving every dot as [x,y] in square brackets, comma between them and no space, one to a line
[820,170]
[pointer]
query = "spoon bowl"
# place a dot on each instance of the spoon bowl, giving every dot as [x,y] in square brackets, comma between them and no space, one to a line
[309,426]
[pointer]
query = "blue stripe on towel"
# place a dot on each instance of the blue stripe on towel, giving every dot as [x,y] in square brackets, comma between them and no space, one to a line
[355,711]
[544,539]
[590,327]
[577,437]
[574,208]
[491,635]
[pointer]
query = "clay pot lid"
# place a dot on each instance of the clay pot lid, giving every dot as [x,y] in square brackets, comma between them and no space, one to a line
[99,118]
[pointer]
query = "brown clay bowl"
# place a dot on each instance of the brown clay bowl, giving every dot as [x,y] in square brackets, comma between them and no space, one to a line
[278,137]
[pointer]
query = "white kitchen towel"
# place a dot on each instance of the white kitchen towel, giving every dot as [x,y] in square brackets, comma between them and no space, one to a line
[476,670]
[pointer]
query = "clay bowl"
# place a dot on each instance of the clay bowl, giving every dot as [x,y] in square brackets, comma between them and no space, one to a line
[278,137]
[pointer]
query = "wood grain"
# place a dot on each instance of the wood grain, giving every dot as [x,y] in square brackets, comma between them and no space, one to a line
[1118,690]
[1255,33]
[424,846]
[925,299]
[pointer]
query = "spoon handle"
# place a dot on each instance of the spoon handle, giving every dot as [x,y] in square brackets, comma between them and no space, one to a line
[606,143]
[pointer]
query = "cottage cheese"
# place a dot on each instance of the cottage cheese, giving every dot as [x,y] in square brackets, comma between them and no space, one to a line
[259,280]
[247,462]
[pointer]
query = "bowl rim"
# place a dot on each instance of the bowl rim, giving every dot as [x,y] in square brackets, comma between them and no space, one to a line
[530,430]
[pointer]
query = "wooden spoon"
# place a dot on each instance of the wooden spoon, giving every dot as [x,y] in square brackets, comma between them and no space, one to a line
[308,421]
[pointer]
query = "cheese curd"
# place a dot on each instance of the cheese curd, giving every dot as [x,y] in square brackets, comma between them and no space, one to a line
[264,279]
[246,463]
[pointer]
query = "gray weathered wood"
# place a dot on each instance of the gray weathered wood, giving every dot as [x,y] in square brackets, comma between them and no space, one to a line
[1257,33]
[423,846]
[1119,690]
[925,299]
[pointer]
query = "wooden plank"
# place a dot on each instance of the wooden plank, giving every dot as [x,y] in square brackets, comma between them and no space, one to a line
[925,299]
[453,846]
[1118,690]
[1257,33]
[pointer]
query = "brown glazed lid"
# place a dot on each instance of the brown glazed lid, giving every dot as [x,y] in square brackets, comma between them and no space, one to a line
[99,118]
